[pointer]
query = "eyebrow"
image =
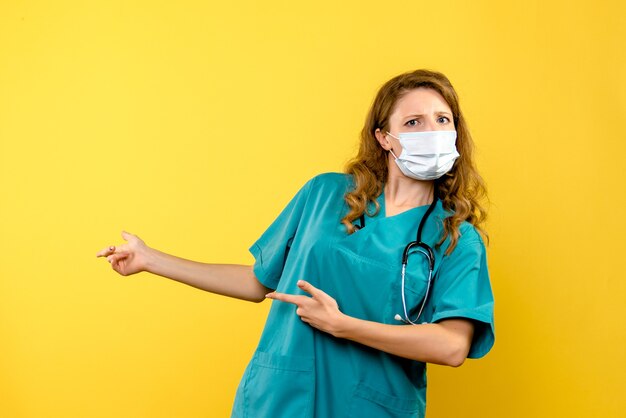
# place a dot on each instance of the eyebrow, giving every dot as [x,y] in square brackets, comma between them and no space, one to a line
[441,112]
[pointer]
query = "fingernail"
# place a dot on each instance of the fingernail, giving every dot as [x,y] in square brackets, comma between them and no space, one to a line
[269,295]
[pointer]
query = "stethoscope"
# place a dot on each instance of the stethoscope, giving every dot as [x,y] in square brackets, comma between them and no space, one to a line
[422,248]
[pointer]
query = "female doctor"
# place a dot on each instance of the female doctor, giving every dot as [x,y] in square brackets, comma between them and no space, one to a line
[373,273]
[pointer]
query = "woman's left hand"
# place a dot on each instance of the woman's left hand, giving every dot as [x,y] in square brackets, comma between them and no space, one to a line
[320,310]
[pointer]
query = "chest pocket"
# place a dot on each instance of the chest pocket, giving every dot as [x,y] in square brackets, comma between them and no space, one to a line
[367,271]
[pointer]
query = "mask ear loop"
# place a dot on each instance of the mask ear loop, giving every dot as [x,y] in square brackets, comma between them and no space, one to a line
[391,150]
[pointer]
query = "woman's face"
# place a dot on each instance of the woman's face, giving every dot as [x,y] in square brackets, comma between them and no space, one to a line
[421,109]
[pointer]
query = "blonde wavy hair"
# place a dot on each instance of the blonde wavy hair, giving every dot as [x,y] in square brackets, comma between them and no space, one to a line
[460,190]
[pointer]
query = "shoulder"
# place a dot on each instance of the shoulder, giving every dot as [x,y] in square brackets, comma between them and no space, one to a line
[470,239]
[469,253]
[330,182]
[470,244]
[469,235]
[332,179]
[323,188]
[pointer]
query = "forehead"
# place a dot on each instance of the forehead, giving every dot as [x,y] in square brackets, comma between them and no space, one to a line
[420,101]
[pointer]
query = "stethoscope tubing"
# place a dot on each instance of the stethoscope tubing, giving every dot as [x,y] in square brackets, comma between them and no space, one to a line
[406,318]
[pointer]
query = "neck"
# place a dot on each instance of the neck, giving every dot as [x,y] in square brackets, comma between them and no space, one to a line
[402,191]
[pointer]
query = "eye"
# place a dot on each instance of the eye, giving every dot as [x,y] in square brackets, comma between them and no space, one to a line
[443,119]
[412,122]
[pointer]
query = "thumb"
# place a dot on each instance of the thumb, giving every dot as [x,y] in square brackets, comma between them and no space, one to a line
[309,288]
[131,238]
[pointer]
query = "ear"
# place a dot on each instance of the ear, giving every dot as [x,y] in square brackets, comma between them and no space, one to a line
[382,139]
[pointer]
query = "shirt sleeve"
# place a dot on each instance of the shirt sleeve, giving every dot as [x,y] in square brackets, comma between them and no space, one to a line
[271,249]
[462,290]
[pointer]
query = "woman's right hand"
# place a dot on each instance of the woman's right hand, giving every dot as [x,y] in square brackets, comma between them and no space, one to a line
[128,258]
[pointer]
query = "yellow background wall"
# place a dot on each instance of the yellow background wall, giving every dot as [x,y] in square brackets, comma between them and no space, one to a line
[192,123]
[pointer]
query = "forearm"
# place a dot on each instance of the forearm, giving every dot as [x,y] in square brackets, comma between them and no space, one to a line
[233,280]
[431,343]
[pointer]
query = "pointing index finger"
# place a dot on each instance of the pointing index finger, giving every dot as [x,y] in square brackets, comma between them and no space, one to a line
[106,251]
[284,297]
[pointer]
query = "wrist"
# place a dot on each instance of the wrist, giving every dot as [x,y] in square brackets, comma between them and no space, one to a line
[342,326]
[151,260]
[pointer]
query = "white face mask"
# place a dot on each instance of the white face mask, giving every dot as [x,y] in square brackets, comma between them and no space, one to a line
[426,155]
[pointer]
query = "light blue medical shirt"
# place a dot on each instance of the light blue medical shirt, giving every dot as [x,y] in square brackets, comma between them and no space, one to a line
[298,371]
